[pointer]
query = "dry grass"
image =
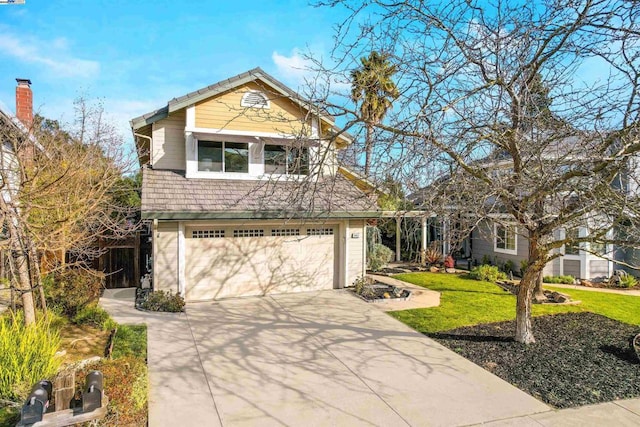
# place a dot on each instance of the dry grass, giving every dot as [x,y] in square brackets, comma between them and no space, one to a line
[82,342]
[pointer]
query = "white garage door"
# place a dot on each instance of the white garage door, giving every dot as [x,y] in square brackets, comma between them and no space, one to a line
[233,261]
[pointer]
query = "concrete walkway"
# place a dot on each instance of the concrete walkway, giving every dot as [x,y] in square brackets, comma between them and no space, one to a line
[322,358]
[421,297]
[585,288]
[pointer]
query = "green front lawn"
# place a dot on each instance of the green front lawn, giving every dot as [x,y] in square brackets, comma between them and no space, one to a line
[465,302]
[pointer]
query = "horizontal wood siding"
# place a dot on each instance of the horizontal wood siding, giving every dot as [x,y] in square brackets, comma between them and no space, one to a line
[572,268]
[165,271]
[169,142]
[482,244]
[598,268]
[225,112]
[552,268]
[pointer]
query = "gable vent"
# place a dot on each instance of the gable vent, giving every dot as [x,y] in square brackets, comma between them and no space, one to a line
[254,99]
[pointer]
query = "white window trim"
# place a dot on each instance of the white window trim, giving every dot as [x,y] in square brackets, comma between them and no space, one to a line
[581,254]
[223,173]
[495,240]
[244,103]
[286,174]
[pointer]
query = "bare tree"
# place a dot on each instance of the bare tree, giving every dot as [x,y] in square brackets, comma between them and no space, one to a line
[530,109]
[63,188]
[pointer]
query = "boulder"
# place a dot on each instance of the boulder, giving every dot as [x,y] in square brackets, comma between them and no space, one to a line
[434,269]
[586,283]
[558,297]
[450,270]
[635,345]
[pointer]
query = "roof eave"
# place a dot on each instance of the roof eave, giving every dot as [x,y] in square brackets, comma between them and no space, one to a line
[259,215]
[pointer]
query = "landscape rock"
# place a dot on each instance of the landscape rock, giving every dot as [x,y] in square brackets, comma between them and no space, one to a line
[586,283]
[450,270]
[434,269]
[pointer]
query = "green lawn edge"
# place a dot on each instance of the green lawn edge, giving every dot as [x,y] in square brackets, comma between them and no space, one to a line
[467,302]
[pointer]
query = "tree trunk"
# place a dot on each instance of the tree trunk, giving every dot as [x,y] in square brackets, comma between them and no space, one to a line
[538,292]
[36,276]
[368,149]
[20,263]
[524,329]
[24,285]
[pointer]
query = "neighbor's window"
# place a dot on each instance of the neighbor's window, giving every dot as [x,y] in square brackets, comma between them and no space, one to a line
[214,156]
[599,248]
[572,248]
[505,238]
[289,160]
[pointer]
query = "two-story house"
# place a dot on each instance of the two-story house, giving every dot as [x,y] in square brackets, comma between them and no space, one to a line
[241,182]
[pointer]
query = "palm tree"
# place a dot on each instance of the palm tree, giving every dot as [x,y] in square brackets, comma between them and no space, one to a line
[373,88]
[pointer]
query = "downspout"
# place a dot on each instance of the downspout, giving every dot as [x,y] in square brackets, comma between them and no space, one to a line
[150,144]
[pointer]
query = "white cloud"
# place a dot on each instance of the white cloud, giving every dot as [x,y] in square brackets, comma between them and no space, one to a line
[299,71]
[53,55]
[296,68]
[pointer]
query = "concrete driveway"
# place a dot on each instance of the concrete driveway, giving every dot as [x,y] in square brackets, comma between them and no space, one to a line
[322,358]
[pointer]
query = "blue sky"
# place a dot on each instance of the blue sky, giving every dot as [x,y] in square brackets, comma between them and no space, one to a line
[136,55]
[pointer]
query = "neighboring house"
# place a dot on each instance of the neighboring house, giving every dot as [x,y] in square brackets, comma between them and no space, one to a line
[498,242]
[13,129]
[241,182]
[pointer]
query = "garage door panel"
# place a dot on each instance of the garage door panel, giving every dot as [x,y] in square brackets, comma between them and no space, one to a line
[242,266]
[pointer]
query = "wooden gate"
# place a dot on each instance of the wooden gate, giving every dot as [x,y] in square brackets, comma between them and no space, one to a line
[121,262]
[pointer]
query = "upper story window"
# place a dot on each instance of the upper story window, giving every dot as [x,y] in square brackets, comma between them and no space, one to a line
[572,248]
[506,240]
[255,99]
[279,159]
[215,156]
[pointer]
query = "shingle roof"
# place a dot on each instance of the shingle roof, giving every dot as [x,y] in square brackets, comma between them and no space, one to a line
[168,194]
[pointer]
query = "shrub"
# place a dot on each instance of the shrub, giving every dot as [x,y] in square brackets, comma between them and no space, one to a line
[449,262]
[164,301]
[508,266]
[359,284]
[27,355]
[567,280]
[70,290]
[379,256]
[126,384]
[95,316]
[627,281]
[432,255]
[130,340]
[487,273]
[524,264]
[486,260]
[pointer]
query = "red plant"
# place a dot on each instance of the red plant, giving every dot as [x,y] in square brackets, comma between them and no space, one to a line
[449,262]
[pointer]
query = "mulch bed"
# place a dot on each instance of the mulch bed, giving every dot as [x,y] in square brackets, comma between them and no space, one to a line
[578,358]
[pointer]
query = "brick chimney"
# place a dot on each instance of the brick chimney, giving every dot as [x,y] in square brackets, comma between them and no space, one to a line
[24,102]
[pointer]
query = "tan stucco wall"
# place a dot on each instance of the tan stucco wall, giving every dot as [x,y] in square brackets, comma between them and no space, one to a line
[355,252]
[225,112]
[165,252]
[169,142]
